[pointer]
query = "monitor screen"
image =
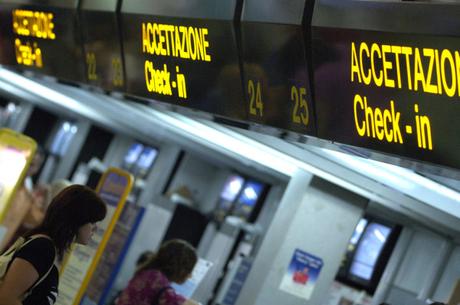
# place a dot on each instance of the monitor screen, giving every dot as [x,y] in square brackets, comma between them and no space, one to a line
[132,155]
[247,199]
[147,158]
[358,231]
[368,250]
[250,193]
[232,187]
[63,138]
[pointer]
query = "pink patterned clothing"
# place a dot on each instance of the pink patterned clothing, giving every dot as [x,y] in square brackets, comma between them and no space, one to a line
[144,287]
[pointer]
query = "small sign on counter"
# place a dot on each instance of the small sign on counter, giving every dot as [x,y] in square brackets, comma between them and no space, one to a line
[302,274]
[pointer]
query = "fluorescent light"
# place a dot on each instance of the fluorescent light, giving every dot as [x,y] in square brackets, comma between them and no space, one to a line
[371,170]
[429,184]
[47,93]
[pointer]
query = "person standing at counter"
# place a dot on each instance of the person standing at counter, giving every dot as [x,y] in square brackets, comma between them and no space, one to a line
[32,276]
[174,262]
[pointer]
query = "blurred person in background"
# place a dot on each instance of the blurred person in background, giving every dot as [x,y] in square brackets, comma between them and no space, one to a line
[140,262]
[22,202]
[43,194]
[151,284]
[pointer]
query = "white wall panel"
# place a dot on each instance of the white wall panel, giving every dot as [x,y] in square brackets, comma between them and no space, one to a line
[450,275]
[418,265]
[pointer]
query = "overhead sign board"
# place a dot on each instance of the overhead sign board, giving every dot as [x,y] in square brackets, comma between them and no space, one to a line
[334,69]
[385,85]
[42,36]
[275,48]
[102,44]
[184,53]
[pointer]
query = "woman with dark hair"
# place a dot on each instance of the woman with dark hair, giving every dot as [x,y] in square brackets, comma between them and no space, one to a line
[174,262]
[32,276]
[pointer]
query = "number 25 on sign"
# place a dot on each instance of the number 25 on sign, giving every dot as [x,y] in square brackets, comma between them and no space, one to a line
[256,106]
[300,114]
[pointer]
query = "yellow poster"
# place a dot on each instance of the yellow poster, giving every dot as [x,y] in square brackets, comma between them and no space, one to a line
[114,188]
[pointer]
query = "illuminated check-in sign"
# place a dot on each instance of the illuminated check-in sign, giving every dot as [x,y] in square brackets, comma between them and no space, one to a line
[385,85]
[184,53]
[42,37]
[31,24]
[185,42]
[102,44]
[274,51]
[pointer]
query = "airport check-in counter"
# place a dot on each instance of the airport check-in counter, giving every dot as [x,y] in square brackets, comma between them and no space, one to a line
[218,253]
[337,70]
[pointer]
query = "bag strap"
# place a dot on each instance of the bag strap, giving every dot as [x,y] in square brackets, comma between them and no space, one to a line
[15,247]
[156,300]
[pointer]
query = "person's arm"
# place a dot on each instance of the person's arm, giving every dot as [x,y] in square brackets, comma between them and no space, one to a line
[15,215]
[21,276]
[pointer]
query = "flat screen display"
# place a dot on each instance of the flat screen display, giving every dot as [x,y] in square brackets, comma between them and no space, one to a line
[247,199]
[232,188]
[250,194]
[369,249]
[132,155]
[359,230]
[147,158]
[63,138]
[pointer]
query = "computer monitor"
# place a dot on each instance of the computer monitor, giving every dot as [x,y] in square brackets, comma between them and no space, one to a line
[63,138]
[145,161]
[230,191]
[368,251]
[247,199]
[232,187]
[367,254]
[132,155]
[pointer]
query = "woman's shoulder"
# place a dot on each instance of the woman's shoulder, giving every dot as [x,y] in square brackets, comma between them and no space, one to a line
[38,242]
[39,251]
[153,276]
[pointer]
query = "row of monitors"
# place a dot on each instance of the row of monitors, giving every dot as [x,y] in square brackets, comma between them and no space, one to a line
[339,70]
[240,197]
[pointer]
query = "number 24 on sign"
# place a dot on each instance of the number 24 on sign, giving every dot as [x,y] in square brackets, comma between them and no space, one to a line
[300,113]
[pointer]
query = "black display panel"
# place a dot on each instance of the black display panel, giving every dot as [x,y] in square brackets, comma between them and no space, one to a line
[42,36]
[275,52]
[387,77]
[102,44]
[184,53]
